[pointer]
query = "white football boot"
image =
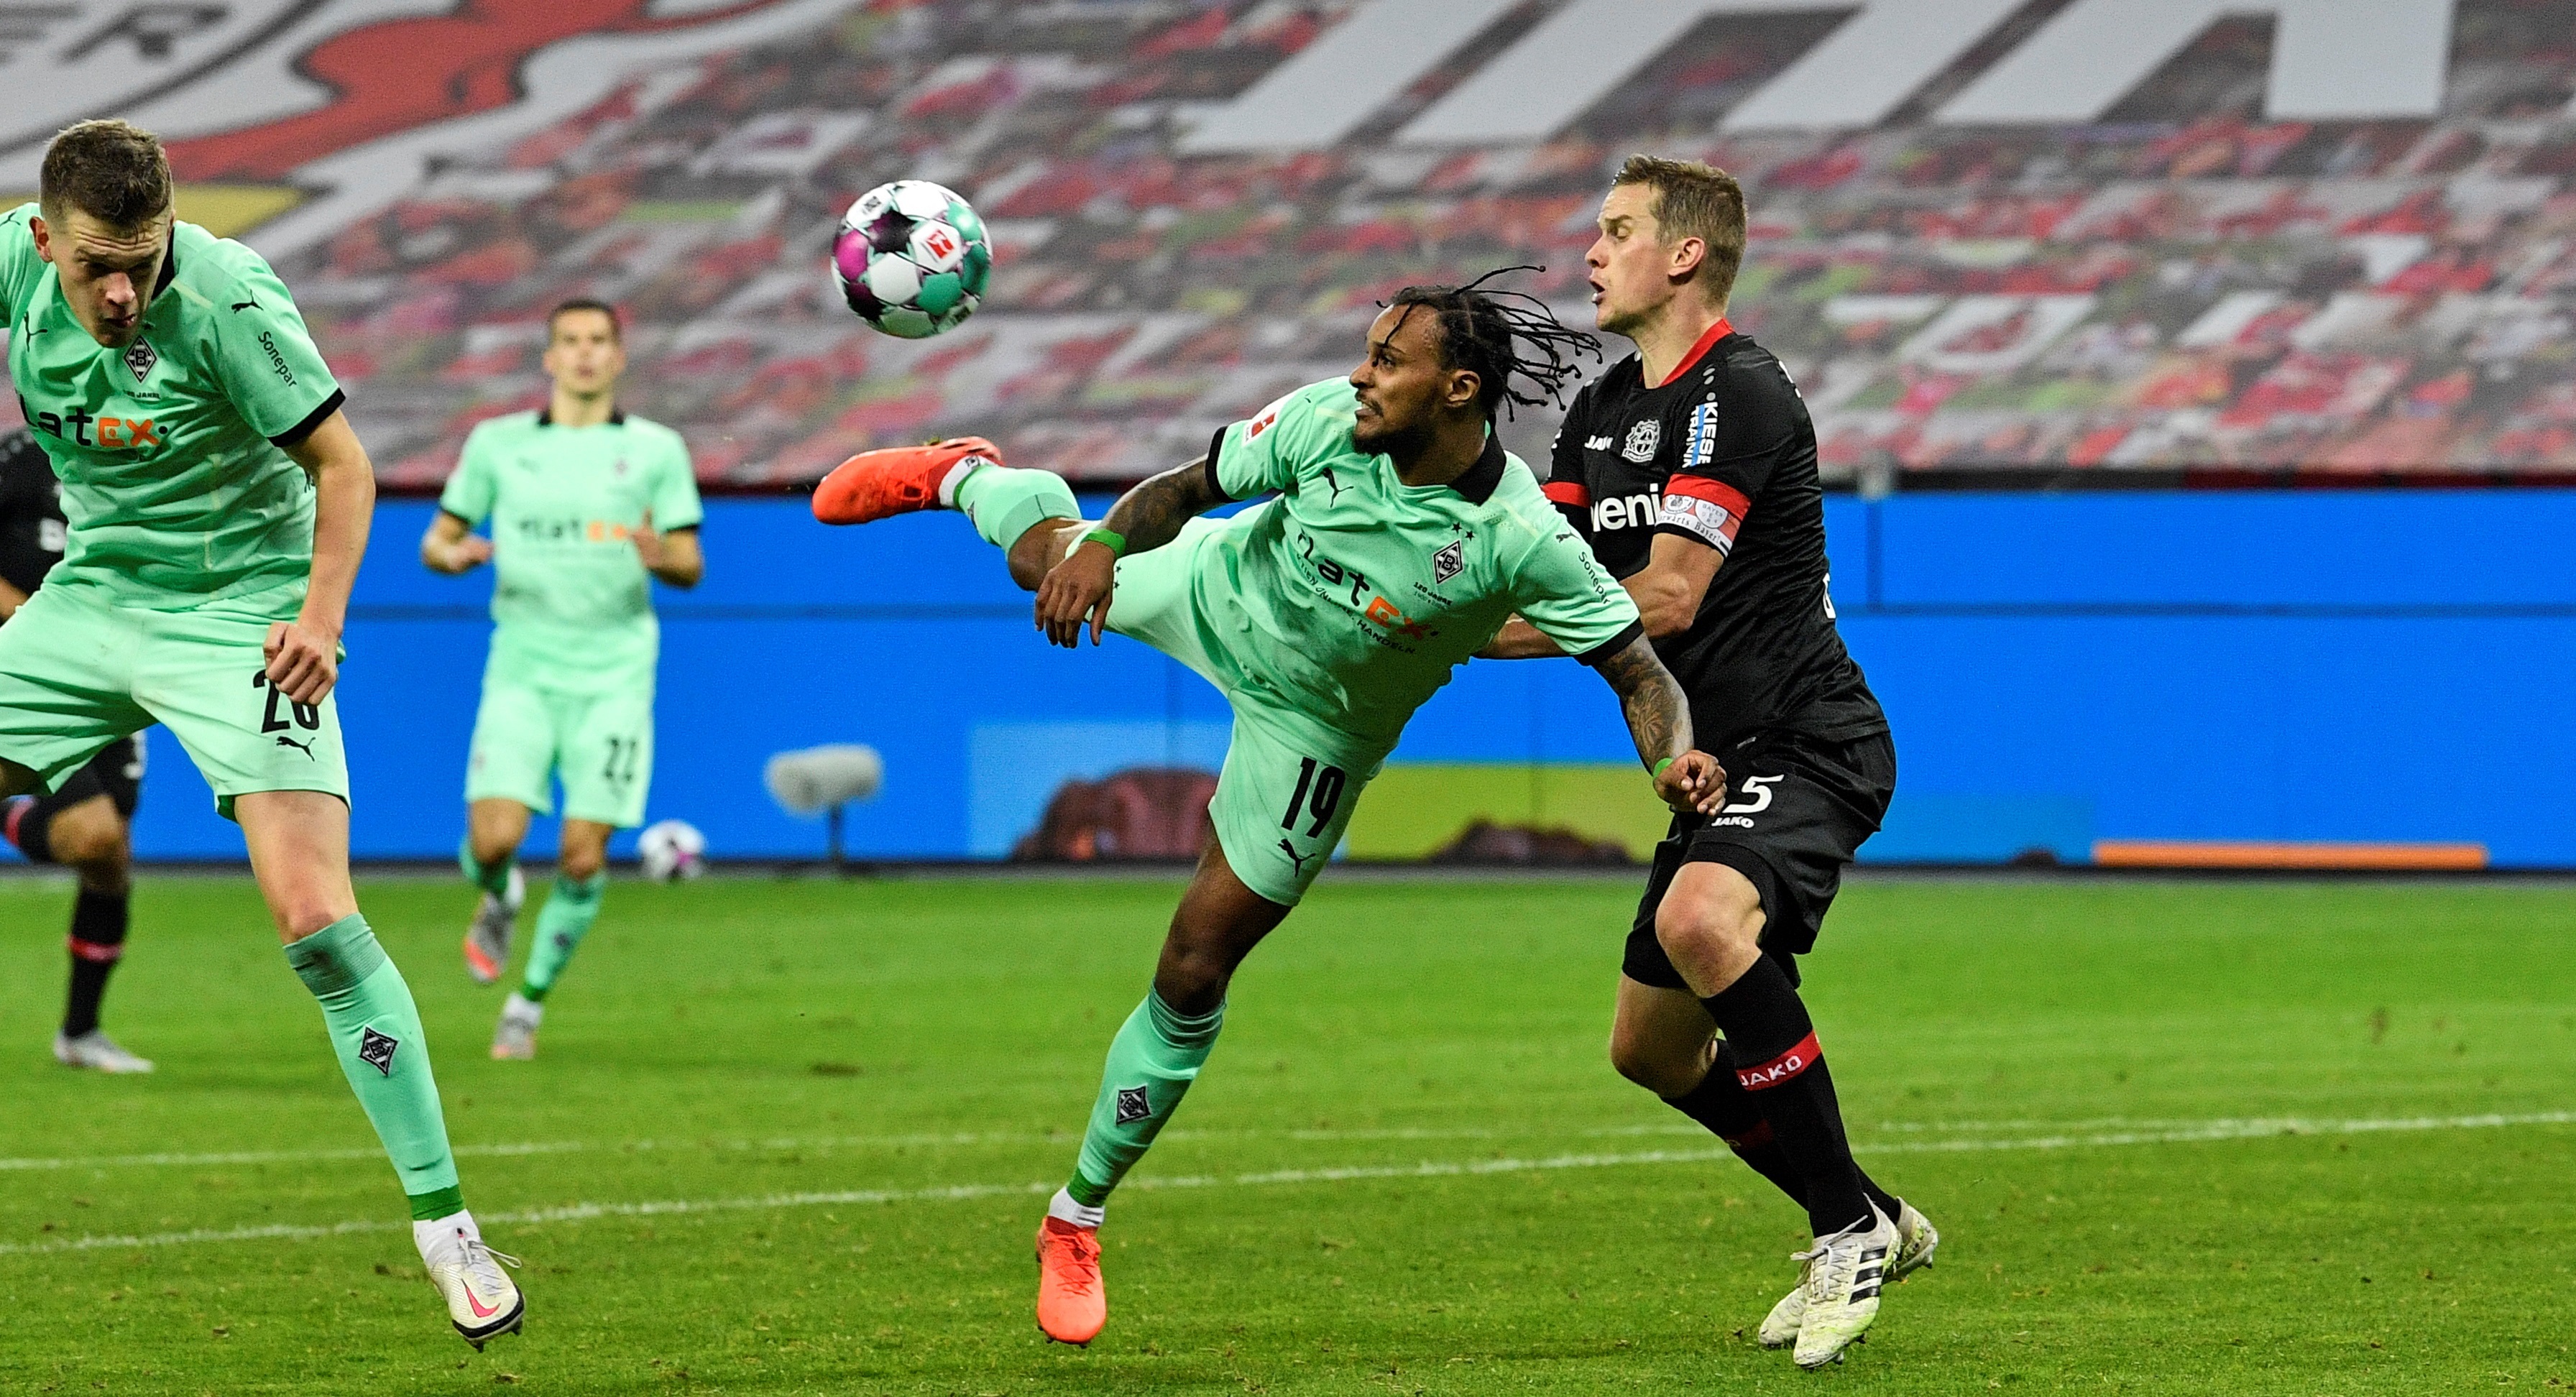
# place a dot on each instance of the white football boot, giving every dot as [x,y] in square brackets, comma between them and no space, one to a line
[515,1036]
[97,1052]
[1844,1272]
[487,937]
[482,1301]
[1916,1240]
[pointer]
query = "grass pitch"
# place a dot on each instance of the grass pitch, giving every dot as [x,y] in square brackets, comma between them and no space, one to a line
[794,1137]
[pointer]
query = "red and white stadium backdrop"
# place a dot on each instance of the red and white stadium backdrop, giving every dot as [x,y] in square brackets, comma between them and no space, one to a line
[1989,236]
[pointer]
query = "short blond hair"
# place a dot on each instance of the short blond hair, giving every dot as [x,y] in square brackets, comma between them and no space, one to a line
[1693,200]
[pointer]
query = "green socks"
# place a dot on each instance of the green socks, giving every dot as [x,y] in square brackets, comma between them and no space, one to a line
[1152,1061]
[1003,503]
[376,1031]
[492,878]
[560,927]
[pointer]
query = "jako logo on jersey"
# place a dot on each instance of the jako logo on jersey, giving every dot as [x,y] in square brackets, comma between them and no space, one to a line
[1703,435]
[114,433]
[1599,443]
[1642,441]
[276,360]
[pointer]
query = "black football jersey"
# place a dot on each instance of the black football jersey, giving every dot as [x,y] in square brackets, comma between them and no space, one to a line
[31,511]
[1723,454]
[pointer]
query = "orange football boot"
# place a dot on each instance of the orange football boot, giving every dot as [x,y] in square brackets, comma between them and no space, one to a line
[1071,1304]
[896,480]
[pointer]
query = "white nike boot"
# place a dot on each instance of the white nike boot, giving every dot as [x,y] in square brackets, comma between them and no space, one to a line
[482,1300]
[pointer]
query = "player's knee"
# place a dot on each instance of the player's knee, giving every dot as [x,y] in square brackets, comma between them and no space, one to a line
[582,864]
[1650,1062]
[1717,924]
[87,840]
[1033,554]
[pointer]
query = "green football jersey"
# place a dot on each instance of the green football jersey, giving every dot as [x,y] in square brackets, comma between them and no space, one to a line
[173,483]
[572,602]
[1353,595]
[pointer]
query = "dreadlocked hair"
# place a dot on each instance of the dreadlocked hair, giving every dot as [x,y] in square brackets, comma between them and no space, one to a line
[1499,335]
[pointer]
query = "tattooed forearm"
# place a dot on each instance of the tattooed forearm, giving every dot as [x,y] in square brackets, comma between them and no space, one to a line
[1658,712]
[1152,514]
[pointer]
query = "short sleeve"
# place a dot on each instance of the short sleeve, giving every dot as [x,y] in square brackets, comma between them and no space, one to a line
[675,490]
[1732,441]
[470,488]
[271,370]
[1261,454]
[1567,487]
[20,268]
[1564,591]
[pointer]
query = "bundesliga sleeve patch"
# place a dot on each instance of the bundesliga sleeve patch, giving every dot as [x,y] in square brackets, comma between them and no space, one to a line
[1703,509]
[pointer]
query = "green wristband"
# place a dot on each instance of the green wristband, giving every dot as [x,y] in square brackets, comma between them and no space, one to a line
[1110,539]
[1659,767]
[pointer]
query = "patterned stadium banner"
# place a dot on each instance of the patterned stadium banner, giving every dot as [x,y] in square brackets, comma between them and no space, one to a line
[1994,239]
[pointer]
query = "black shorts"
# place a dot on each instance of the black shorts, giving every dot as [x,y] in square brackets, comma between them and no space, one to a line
[1797,810]
[116,773]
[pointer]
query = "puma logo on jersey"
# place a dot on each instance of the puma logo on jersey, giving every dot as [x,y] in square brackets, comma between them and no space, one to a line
[305,747]
[1296,859]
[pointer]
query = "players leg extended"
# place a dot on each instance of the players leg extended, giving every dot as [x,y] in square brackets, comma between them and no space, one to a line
[83,827]
[299,853]
[1764,1089]
[497,827]
[524,736]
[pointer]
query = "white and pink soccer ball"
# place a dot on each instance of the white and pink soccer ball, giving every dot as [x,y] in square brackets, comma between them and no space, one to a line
[912,258]
[672,850]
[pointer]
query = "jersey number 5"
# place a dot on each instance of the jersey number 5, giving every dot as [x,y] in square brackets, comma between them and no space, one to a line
[1325,785]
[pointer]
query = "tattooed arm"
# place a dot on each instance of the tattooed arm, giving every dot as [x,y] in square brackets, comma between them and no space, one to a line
[1659,719]
[1151,515]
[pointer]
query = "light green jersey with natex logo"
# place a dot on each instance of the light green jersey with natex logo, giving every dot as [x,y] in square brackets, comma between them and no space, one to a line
[1352,596]
[174,483]
[573,603]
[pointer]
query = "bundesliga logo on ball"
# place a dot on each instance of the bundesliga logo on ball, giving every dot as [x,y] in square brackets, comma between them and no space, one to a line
[912,258]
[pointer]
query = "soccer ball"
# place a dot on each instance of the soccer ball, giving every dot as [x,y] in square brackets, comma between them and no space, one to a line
[672,850]
[912,258]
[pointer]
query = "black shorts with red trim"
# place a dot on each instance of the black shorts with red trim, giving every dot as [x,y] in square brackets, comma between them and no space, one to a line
[116,773]
[1797,811]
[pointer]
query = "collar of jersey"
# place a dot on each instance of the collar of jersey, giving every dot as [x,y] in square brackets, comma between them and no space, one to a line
[546,417]
[1478,482]
[1708,341]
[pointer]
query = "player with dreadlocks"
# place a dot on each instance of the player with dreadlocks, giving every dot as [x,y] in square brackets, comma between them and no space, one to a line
[1400,538]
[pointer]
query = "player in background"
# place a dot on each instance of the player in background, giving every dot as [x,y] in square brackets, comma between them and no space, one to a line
[1690,466]
[1401,536]
[83,825]
[218,502]
[588,506]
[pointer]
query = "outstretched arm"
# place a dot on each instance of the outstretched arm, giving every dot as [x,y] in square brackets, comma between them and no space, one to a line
[1659,719]
[1077,589]
[1668,591]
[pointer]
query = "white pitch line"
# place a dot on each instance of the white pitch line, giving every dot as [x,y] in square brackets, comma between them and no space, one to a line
[1426,1169]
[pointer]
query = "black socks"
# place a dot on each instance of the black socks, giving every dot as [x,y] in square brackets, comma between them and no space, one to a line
[1773,1053]
[98,940]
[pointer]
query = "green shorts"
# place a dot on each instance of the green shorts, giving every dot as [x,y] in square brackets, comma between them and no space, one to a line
[601,744]
[1290,783]
[77,673]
